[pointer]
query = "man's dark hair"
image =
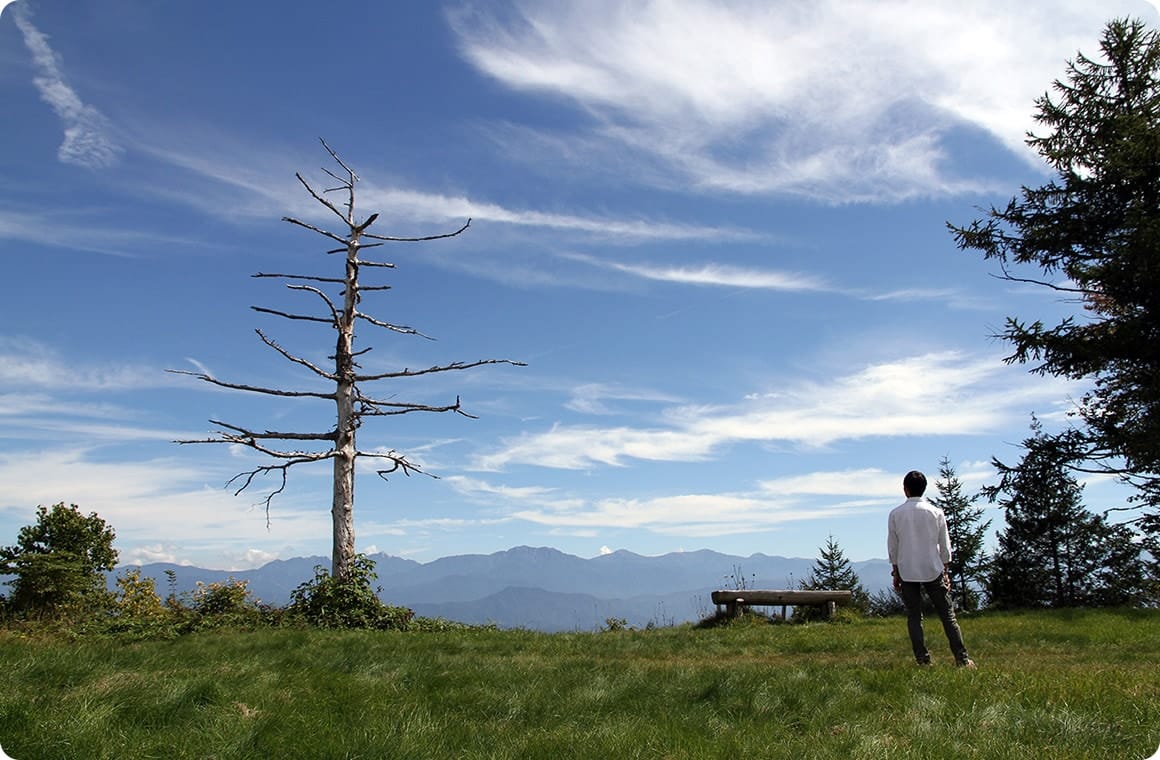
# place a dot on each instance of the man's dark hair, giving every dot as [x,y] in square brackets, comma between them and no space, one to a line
[914,483]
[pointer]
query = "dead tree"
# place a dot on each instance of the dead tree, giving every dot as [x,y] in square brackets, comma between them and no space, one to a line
[351,403]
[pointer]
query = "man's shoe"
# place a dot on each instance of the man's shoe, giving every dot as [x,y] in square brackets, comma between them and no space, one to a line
[968,663]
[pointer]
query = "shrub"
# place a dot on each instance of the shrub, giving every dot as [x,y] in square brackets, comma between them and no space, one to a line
[137,597]
[886,603]
[352,602]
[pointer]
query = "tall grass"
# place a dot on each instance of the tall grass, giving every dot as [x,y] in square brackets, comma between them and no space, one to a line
[1077,684]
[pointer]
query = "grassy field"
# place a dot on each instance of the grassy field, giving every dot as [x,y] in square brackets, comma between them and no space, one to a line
[1079,684]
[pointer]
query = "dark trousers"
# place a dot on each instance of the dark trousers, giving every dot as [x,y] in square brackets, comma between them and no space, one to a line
[940,598]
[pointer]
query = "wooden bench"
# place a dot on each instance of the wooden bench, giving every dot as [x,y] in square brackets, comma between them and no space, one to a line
[735,601]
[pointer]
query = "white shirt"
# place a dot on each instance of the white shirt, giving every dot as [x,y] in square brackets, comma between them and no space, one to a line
[918,541]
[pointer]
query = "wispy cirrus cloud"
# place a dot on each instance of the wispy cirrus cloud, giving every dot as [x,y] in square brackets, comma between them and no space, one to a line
[441,207]
[82,230]
[87,138]
[833,100]
[769,504]
[599,398]
[26,363]
[712,274]
[236,183]
[694,515]
[946,394]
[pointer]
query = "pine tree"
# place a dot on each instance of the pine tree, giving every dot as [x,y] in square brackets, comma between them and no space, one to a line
[833,572]
[1053,552]
[968,533]
[1092,233]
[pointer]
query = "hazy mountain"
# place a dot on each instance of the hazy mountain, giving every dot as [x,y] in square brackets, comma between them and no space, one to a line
[538,588]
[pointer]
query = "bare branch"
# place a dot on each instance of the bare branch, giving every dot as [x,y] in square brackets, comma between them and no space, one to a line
[325,298]
[383,264]
[419,239]
[398,463]
[319,230]
[248,477]
[339,161]
[251,388]
[343,183]
[296,359]
[377,408]
[287,315]
[442,368]
[322,199]
[347,184]
[337,280]
[249,438]
[356,244]
[369,221]
[396,328]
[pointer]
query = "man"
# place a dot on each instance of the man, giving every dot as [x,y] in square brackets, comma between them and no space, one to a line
[919,548]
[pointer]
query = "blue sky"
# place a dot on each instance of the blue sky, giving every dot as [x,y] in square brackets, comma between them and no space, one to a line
[715,232]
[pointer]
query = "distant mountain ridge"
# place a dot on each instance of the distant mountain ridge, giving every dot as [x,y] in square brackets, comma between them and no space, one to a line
[538,588]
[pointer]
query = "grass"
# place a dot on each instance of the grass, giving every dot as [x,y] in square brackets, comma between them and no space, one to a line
[1072,684]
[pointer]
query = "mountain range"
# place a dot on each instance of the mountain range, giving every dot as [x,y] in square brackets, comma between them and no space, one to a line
[539,589]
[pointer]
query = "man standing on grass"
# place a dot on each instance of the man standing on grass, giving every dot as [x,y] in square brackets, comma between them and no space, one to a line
[919,548]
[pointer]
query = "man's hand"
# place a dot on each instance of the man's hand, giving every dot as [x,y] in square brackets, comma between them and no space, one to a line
[897,579]
[946,580]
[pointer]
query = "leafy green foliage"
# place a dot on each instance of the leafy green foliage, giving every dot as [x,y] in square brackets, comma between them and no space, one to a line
[327,601]
[1093,233]
[229,598]
[59,563]
[967,532]
[1053,552]
[137,597]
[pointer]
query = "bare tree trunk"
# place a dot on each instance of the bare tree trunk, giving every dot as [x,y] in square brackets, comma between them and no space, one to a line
[342,508]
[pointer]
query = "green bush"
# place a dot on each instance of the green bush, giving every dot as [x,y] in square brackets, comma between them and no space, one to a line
[58,565]
[329,602]
[137,597]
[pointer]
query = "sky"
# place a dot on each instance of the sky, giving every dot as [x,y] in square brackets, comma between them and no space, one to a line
[714,231]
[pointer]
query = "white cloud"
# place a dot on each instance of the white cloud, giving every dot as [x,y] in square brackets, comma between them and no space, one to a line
[713,274]
[480,488]
[26,363]
[147,501]
[696,515]
[80,230]
[436,207]
[943,394]
[591,398]
[838,483]
[87,141]
[145,554]
[834,99]
[263,186]
[728,276]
